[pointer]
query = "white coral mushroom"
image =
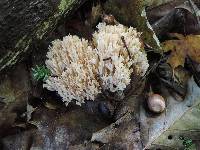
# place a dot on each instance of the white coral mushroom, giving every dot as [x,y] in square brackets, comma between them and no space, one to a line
[76,67]
[117,42]
[72,63]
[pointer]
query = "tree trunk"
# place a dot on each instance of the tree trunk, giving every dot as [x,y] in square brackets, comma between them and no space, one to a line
[23,21]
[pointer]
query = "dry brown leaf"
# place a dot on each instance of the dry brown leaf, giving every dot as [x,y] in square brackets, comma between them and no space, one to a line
[182,47]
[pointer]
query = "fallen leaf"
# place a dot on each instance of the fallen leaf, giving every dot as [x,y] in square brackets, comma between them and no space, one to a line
[122,134]
[181,76]
[175,16]
[66,129]
[181,48]
[179,119]
[14,94]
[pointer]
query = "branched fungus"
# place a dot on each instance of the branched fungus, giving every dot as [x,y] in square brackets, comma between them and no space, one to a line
[80,71]
[122,45]
[73,65]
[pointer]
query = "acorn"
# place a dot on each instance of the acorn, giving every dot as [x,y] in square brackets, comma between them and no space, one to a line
[156,103]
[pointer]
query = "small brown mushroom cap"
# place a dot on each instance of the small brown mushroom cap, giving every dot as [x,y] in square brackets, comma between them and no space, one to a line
[156,103]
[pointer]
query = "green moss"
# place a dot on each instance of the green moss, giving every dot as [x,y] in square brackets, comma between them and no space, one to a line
[44,27]
[64,4]
[20,42]
[23,44]
[40,73]
[12,56]
[63,7]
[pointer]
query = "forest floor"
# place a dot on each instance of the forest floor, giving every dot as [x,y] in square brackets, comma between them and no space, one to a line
[31,117]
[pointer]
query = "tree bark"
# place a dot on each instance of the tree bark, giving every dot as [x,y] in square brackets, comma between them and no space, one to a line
[24,21]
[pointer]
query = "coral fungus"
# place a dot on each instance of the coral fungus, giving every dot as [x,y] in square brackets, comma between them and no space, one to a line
[122,45]
[80,71]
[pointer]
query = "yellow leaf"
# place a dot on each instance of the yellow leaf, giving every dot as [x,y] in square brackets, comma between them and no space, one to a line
[185,46]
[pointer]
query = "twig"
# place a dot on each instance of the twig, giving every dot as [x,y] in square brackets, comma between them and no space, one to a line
[107,59]
[155,65]
[123,40]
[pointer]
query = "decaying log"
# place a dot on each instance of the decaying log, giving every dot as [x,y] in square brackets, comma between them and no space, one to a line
[22,22]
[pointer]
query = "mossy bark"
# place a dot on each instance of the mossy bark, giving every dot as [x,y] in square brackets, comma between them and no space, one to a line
[22,22]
